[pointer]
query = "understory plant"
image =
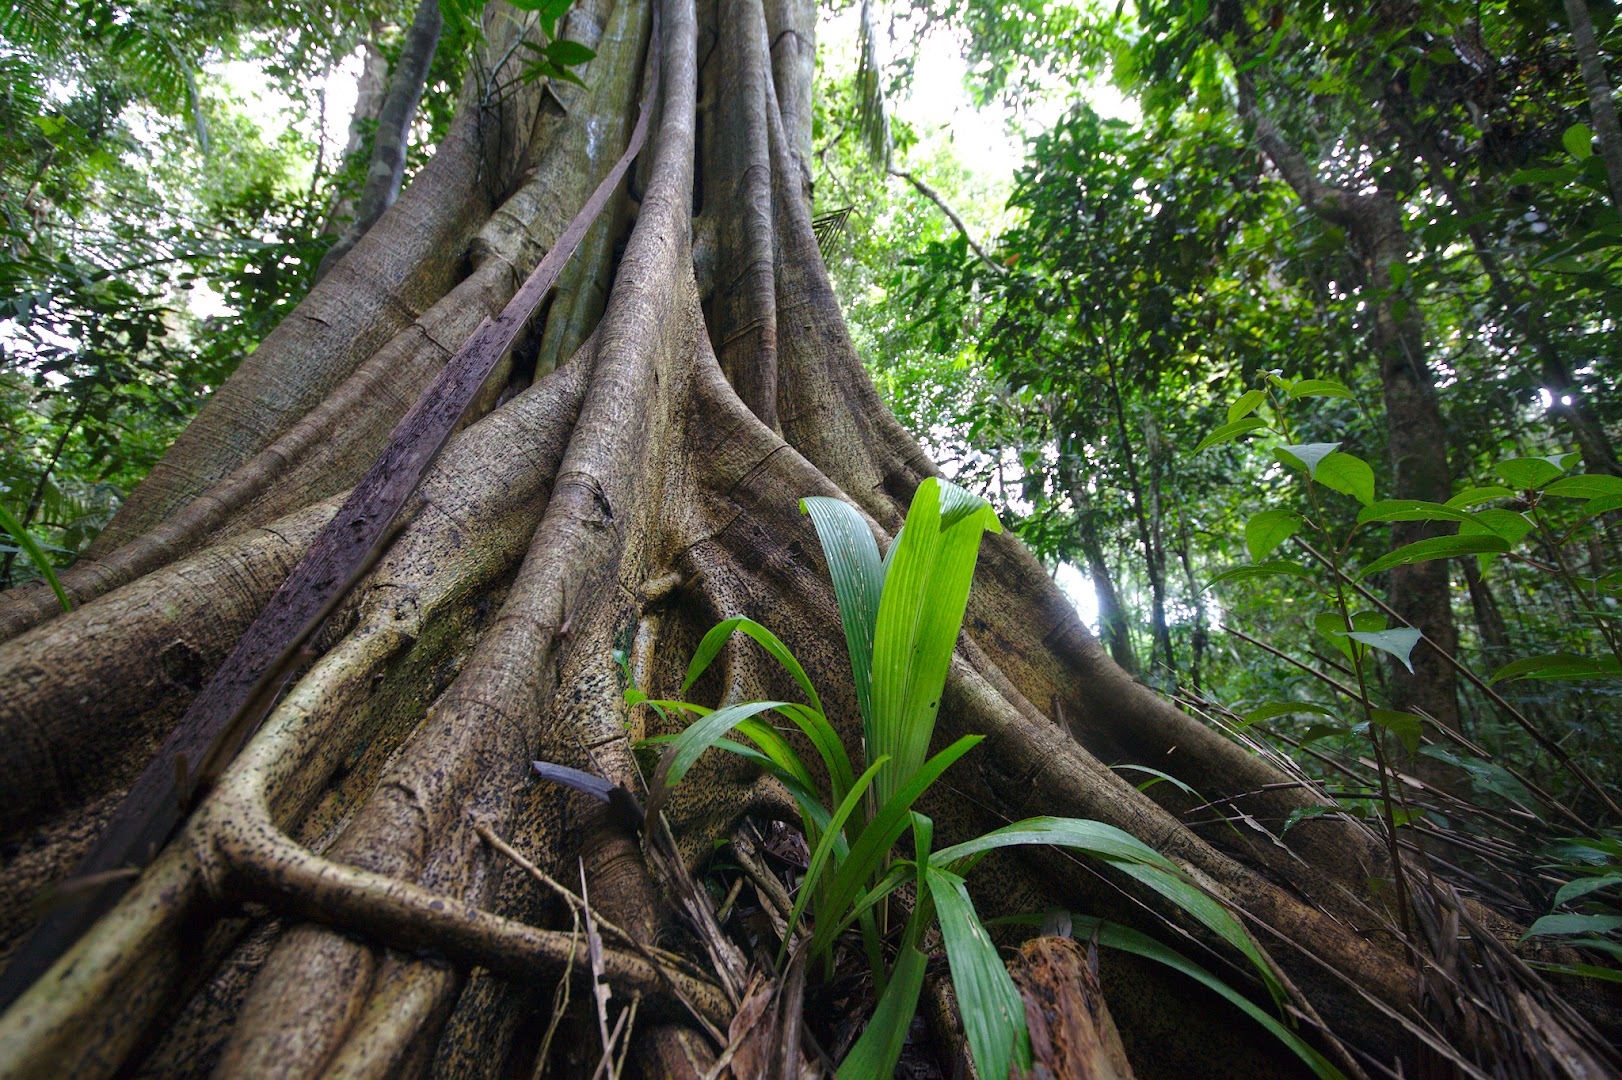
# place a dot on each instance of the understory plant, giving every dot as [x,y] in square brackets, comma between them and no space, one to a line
[1537,513]
[901,615]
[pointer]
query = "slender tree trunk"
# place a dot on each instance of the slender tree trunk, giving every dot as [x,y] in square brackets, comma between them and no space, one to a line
[1601,102]
[1154,558]
[370,88]
[386,168]
[1599,455]
[336,901]
[1416,439]
[1112,623]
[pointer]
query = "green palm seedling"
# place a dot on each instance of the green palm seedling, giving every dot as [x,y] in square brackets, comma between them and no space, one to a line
[901,616]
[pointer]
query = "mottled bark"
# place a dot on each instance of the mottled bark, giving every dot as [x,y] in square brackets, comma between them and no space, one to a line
[333,905]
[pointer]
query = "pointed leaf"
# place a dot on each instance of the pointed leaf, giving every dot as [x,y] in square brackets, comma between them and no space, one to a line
[1399,642]
[1287,708]
[1245,405]
[1409,510]
[1586,486]
[1273,568]
[1475,495]
[1436,547]
[1556,666]
[1407,727]
[1347,474]
[1320,388]
[1267,530]
[1229,432]
[993,1011]
[1578,141]
[1573,890]
[1560,925]
[1527,472]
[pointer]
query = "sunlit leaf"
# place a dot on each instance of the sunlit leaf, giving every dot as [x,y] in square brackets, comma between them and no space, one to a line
[1267,530]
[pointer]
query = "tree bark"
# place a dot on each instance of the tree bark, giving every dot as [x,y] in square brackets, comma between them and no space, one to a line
[1601,103]
[386,168]
[333,904]
[370,87]
[1111,616]
[1416,439]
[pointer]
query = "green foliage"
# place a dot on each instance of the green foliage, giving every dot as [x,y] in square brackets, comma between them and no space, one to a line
[901,616]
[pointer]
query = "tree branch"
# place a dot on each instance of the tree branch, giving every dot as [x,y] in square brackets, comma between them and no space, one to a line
[951,215]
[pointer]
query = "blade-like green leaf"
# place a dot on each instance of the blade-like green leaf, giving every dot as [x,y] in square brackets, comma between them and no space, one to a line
[1229,432]
[1409,510]
[30,546]
[824,851]
[710,648]
[1093,837]
[1115,936]
[926,591]
[1436,547]
[1267,530]
[858,578]
[875,1054]
[701,735]
[1131,856]
[826,740]
[868,853]
[993,1011]
[1245,405]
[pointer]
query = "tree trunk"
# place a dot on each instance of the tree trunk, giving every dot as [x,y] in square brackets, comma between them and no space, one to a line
[334,905]
[1111,616]
[386,169]
[370,87]
[1416,440]
[1601,103]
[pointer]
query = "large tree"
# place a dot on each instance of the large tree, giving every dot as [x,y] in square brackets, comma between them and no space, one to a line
[332,901]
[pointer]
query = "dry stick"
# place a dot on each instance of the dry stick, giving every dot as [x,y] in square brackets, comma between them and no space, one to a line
[560,1003]
[1554,749]
[661,961]
[600,990]
[240,695]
